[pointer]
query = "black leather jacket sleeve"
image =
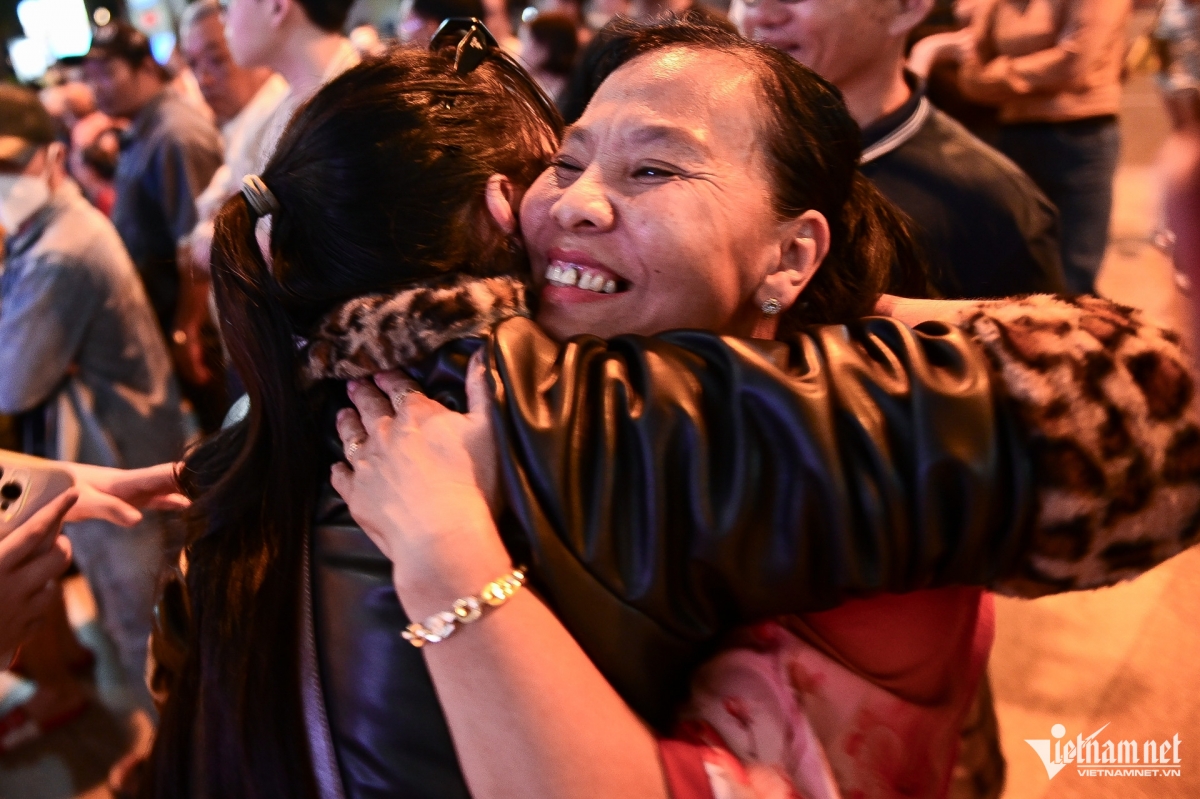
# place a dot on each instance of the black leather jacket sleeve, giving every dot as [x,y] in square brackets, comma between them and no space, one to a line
[700,481]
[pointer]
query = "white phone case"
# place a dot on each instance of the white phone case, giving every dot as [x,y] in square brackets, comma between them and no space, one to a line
[26,485]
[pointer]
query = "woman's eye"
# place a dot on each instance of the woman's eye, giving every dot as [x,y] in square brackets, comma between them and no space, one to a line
[653,172]
[566,168]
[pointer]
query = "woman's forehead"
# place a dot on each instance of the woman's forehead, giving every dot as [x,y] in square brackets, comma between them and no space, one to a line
[700,100]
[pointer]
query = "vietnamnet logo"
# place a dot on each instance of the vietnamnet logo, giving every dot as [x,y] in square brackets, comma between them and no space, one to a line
[1094,758]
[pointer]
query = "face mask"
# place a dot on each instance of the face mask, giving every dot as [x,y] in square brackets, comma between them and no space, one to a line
[21,196]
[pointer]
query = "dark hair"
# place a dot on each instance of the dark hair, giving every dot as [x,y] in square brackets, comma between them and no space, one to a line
[380,183]
[439,10]
[558,34]
[328,15]
[122,41]
[814,146]
[585,78]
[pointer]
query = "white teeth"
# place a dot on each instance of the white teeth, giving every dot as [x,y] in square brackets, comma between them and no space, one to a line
[577,277]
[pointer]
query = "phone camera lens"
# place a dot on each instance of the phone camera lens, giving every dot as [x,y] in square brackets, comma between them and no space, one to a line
[10,491]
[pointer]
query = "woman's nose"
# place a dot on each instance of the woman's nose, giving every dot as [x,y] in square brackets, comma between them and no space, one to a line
[584,205]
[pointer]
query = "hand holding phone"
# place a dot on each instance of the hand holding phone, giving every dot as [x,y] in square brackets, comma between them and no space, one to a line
[32,558]
[26,486]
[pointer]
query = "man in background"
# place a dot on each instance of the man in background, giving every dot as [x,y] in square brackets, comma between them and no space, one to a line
[244,101]
[302,40]
[986,228]
[86,373]
[168,155]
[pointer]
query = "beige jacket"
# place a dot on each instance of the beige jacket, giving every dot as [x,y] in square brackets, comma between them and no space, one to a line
[1048,60]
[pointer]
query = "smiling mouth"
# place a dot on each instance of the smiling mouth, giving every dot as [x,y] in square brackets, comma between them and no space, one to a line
[568,275]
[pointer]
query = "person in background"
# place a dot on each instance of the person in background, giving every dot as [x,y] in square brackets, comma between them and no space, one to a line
[986,229]
[34,555]
[88,377]
[92,160]
[1180,160]
[1054,69]
[421,18]
[301,40]
[244,101]
[549,45]
[93,136]
[184,82]
[169,154]
[938,47]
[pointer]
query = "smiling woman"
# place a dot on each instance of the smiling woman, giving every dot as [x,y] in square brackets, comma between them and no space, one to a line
[702,185]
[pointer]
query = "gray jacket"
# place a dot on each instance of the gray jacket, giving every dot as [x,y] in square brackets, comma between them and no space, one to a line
[79,342]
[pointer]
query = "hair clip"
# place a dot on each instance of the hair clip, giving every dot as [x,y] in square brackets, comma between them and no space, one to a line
[260,198]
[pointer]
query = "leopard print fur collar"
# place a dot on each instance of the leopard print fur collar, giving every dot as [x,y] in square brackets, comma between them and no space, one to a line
[379,332]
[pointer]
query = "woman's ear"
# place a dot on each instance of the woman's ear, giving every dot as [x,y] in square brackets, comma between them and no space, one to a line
[501,197]
[805,244]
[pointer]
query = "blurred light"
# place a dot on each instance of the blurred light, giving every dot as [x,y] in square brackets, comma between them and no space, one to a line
[61,26]
[29,58]
[101,16]
[529,14]
[162,44]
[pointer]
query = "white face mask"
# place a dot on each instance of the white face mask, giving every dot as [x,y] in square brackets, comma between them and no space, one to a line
[21,196]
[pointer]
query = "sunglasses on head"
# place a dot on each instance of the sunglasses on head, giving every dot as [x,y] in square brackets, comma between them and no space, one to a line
[472,43]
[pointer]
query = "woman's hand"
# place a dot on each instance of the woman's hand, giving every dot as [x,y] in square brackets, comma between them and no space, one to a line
[115,495]
[32,558]
[417,479]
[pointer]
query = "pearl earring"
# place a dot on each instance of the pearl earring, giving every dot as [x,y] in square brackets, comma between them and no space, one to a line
[772,306]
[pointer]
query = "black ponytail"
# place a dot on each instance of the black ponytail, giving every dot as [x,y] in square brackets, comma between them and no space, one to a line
[254,485]
[380,181]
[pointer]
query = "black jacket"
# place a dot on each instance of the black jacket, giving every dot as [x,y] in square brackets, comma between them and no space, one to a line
[986,229]
[664,490]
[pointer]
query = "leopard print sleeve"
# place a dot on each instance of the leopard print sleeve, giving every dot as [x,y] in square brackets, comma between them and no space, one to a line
[1113,416]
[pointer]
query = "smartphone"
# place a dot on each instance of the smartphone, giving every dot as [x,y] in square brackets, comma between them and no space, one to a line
[26,486]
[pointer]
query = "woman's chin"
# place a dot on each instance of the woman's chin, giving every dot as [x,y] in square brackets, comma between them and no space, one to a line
[563,323]
[564,311]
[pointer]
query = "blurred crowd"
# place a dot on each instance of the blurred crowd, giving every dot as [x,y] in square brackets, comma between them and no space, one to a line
[991,123]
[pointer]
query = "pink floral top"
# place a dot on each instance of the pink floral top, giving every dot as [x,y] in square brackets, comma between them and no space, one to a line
[783,714]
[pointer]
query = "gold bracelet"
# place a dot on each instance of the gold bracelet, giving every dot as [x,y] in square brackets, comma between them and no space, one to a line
[440,626]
